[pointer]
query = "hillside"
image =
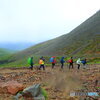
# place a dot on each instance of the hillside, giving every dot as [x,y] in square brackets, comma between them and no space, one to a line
[83,40]
[5,52]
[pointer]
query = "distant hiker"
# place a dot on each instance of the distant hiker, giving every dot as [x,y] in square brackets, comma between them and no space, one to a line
[84,63]
[30,62]
[70,61]
[53,61]
[62,62]
[41,62]
[78,62]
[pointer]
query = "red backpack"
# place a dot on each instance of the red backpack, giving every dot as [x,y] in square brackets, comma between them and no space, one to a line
[70,61]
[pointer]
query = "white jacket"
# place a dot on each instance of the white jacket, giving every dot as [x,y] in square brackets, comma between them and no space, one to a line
[78,61]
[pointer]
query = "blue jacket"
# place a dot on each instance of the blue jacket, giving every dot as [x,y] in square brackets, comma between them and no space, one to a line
[62,60]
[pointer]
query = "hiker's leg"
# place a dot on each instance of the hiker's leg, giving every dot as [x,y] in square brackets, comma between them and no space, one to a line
[84,65]
[40,67]
[72,65]
[69,66]
[52,65]
[62,65]
[31,66]
[78,66]
[43,67]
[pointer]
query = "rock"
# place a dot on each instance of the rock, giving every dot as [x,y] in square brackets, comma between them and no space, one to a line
[40,97]
[33,92]
[11,87]
[17,96]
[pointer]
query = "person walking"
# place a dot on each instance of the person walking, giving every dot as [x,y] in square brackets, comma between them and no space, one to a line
[78,62]
[62,62]
[70,61]
[41,62]
[53,61]
[30,62]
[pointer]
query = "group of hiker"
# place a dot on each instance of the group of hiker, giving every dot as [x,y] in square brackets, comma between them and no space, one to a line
[53,62]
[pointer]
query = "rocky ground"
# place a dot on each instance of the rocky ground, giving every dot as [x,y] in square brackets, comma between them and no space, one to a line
[58,83]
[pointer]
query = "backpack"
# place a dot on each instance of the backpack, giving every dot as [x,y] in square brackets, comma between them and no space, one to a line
[70,61]
[83,61]
[29,60]
[51,59]
[62,61]
[54,61]
[41,62]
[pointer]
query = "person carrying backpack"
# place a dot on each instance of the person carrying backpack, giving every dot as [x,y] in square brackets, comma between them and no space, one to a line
[70,61]
[53,61]
[30,62]
[78,62]
[41,62]
[62,62]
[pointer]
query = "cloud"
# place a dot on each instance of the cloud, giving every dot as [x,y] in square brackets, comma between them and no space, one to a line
[40,20]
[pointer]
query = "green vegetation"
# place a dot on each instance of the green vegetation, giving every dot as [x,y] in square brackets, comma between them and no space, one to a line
[45,93]
[83,41]
[5,52]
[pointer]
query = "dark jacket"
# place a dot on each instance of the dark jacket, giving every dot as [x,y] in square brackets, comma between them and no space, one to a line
[62,60]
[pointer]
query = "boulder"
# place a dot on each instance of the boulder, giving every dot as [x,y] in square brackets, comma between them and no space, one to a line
[11,87]
[33,92]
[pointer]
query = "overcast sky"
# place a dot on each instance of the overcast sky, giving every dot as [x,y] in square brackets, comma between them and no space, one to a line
[40,20]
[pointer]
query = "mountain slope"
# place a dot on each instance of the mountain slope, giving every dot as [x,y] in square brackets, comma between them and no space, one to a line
[4,52]
[86,34]
[84,39]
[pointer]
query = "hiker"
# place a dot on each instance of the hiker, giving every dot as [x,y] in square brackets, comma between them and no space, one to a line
[78,62]
[53,61]
[30,62]
[84,63]
[62,62]
[70,61]
[41,62]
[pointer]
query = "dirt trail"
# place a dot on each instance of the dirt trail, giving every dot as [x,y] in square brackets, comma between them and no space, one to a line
[58,83]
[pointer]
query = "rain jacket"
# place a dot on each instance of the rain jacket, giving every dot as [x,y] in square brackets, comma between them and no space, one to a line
[62,60]
[78,61]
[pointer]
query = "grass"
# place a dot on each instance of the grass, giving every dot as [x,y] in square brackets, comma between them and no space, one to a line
[5,52]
